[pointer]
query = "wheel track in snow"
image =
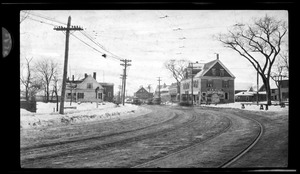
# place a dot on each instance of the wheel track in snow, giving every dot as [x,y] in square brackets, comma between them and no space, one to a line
[226,163]
[82,149]
[255,140]
[185,148]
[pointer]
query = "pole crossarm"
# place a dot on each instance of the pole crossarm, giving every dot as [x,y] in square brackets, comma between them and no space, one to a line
[60,28]
[67,29]
[125,64]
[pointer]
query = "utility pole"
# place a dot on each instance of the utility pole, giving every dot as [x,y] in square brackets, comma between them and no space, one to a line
[122,86]
[192,85]
[193,80]
[159,89]
[63,91]
[125,64]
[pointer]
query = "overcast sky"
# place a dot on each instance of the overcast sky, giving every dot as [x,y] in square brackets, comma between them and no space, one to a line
[147,37]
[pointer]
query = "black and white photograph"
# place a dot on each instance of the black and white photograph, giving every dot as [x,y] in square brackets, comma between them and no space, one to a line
[157,88]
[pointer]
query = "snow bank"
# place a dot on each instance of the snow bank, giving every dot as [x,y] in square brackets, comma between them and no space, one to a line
[252,107]
[84,112]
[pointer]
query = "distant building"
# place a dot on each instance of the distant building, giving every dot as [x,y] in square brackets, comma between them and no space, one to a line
[88,90]
[143,94]
[250,95]
[164,92]
[212,83]
[284,90]
[173,92]
[108,91]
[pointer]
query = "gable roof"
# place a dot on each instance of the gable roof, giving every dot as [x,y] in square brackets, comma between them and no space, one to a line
[141,89]
[89,77]
[209,65]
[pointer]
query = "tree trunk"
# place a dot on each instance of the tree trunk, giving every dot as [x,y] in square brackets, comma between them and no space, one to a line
[47,94]
[279,92]
[268,90]
[56,101]
[178,91]
[26,94]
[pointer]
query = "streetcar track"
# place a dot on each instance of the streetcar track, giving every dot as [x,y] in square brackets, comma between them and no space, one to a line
[97,137]
[249,147]
[184,148]
[111,144]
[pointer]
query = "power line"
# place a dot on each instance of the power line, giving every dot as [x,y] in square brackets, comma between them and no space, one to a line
[98,44]
[41,21]
[90,45]
[84,33]
[46,17]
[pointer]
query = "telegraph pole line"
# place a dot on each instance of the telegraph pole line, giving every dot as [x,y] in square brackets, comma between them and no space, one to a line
[67,29]
[125,64]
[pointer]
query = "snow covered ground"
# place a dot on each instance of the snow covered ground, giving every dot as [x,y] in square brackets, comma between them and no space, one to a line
[84,112]
[252,107]
[248,106]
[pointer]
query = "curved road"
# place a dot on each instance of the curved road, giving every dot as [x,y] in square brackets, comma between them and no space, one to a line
[167,137]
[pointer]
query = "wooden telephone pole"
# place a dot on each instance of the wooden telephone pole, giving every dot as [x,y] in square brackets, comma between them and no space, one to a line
[67,29]
[159,89]
[125,64]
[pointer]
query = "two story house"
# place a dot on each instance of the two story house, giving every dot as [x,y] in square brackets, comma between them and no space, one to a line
[212,83]
[88,90]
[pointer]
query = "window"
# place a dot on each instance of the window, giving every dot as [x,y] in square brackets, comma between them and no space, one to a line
[80,95]
[99,95]
[225,83]
[213,70]
[210,83]
[89,86]
[195,83]
[109,94]
[226,96]
[186,85]
[221,72]
[68,95]
[203,94]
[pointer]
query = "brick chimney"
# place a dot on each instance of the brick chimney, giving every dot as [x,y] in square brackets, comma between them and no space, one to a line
[85,75]
[94,75]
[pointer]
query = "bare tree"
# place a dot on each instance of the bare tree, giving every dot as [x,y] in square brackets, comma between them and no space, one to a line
[177,68]
[277,77]
[284,62]
[260,43]
[26,77]
[56,87]
[45,69]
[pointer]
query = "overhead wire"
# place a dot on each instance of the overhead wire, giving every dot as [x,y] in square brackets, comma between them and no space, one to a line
[84,33]
[45,17]
[98,44]
[42,21]
[90,45]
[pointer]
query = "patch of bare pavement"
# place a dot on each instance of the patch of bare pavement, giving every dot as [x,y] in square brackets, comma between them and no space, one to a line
[199,137]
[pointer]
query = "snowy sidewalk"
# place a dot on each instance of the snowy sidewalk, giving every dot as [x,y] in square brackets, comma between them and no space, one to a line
[252,107]
[84,112]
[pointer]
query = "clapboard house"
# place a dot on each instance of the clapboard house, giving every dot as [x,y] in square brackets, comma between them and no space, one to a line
[212,83]
[88,90]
